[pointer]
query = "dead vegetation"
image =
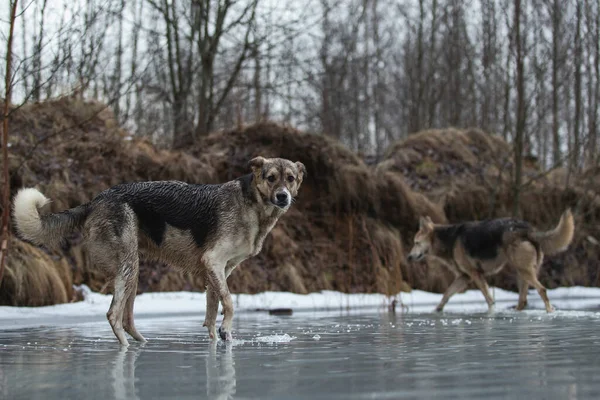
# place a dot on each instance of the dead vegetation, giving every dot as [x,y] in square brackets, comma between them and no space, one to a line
[348,231]
[35,278]
[467,173]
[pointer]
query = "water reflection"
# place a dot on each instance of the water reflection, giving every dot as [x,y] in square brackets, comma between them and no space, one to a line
[3,384]
[220,371]
[123,372]
[418,355]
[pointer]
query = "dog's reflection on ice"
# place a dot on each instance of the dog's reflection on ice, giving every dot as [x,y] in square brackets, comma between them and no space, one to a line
[123,373]
[220,371]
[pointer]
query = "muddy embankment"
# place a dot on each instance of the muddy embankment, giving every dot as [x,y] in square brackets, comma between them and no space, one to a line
[349,230]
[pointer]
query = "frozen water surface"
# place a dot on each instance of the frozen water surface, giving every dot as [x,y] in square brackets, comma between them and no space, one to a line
[329,355]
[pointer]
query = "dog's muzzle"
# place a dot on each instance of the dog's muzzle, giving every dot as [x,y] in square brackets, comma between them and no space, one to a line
[418,257]
[282,200]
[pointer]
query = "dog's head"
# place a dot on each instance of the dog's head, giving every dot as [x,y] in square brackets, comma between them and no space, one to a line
[423,239]
[277,179]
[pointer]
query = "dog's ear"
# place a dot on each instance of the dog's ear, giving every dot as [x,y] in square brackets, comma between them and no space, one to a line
[301,170]
[256,163]
[425,223]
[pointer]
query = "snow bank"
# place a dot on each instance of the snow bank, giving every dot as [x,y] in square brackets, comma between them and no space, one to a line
[172,303]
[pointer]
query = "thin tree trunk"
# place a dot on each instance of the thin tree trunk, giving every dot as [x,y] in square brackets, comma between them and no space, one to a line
[257,85]
[6,176]
[25,69]
[555,84]
[507,93]
[37,58]
[593,82]
[520,126]
[577,123]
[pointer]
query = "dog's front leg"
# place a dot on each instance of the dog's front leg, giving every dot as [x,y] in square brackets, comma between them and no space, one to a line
[459,284]
[217,279]
[482,285]
[212,309]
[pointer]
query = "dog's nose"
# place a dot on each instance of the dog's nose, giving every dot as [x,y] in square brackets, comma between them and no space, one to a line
[410,257]
[281,197]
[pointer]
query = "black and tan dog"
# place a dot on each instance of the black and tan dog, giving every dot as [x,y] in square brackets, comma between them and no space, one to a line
[476,249]
[197,228]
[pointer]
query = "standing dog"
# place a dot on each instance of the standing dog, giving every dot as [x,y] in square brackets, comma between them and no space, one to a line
[481,248]
[198,228]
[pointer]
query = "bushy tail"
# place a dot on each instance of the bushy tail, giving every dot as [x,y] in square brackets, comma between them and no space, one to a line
[558,239]
[35,224]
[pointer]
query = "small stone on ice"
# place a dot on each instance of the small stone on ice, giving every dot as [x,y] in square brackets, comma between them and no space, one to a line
[316,337]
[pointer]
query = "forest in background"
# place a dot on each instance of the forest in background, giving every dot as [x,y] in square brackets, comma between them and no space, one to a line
[366,72]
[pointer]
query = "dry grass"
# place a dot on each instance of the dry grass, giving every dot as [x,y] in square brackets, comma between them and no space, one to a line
[34,278]
[348,231]
[467,172]
[337,236]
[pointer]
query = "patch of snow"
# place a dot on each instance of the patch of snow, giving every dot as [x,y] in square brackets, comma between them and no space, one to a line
[95,305]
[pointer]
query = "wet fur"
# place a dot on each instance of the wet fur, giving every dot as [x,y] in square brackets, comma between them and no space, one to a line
[476,249]
[207,229]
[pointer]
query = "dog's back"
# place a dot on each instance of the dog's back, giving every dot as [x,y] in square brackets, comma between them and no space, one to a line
[480,239]
[158,205]
[484,239]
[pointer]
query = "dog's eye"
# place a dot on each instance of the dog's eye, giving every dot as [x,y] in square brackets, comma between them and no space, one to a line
[291,178]
[271,178]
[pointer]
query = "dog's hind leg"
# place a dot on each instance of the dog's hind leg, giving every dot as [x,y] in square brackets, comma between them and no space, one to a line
[115,312]
[523,289]
[533,280]
[128,322]
[527,261]
[212,309]
[482,285]
[113,244]
[459,284]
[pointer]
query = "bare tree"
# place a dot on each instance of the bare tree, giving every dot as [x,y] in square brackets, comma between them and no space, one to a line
[556,10]
[8,85]
[592,17]
[363,71]
[520,106]
[578,58]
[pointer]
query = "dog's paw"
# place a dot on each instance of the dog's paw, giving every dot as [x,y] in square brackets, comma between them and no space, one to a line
[224,334]
[520,306]
[212,332]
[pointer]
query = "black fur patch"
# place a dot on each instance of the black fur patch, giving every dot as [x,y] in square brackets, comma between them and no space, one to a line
[448,234]
[481,239]
[184,206]
[246,185]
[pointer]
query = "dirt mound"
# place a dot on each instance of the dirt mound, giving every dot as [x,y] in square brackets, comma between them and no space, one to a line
[72,150]
[468,173]
[426,159]
[347,231]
